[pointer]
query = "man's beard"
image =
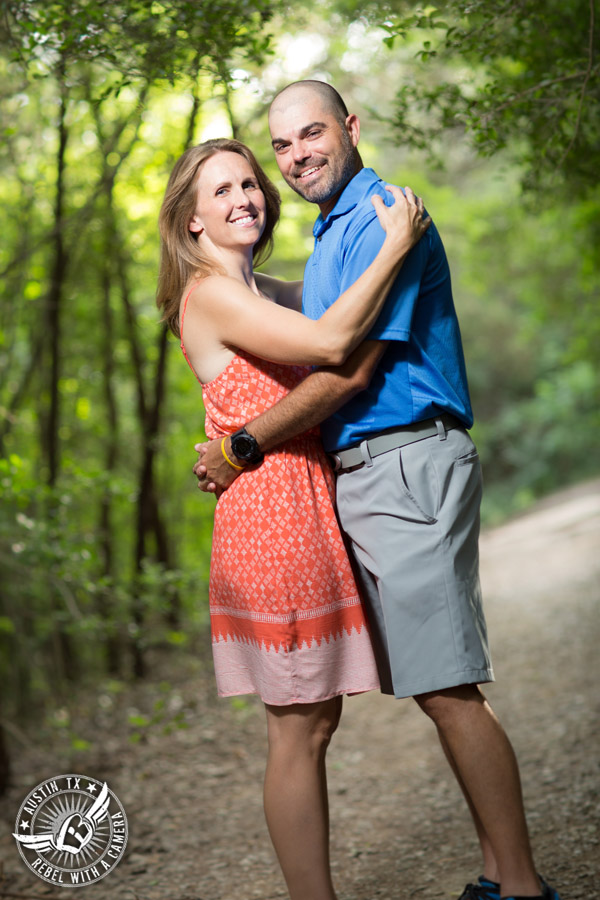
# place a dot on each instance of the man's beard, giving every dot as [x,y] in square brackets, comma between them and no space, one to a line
[336,178]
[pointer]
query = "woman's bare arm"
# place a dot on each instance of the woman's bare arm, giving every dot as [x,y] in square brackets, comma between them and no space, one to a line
[223,310]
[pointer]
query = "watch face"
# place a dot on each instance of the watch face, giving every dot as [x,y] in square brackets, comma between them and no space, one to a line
[244,446]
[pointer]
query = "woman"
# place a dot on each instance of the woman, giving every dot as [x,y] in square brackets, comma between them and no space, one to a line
[286,617]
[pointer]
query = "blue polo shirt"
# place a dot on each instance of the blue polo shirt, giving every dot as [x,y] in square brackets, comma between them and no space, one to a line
[422,372]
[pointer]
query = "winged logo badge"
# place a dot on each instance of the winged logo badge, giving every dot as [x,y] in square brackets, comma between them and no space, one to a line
[71,830]
[74,832]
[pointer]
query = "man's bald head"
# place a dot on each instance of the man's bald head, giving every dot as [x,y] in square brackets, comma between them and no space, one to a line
[330,100]
[315,141]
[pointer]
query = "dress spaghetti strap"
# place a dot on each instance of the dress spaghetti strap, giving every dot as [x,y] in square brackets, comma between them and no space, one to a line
[183,350]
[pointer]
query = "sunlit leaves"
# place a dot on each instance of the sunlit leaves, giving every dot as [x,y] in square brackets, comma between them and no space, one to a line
[138,38]
[533,83]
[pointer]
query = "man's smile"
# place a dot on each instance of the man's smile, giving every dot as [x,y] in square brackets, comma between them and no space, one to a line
[308,172]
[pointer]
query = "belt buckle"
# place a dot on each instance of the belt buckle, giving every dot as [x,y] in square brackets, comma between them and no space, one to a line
[335,461]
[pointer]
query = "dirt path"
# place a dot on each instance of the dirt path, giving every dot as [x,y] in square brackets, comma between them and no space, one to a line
[400,829]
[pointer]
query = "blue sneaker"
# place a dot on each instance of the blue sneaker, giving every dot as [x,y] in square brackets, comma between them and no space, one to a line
[548,893]
[485,889]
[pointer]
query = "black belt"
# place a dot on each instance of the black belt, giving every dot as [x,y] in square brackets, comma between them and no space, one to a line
[354,457]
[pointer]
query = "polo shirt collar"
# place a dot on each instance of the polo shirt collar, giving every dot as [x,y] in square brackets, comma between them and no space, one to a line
[348,199]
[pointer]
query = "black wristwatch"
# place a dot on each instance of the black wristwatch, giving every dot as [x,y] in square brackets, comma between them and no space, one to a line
[245,447]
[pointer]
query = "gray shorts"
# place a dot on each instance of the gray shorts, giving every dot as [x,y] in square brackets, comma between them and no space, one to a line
[412,519]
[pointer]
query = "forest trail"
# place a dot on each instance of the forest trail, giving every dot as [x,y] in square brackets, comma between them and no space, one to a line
[400,828]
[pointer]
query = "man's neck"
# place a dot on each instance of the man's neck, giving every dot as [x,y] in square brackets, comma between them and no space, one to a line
[325,208]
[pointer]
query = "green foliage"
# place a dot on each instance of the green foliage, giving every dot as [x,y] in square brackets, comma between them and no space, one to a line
[138,38]
[165,718]
[52,583]
[522,75]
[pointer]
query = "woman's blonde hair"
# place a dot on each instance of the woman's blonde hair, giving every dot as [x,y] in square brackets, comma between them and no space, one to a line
[180,256]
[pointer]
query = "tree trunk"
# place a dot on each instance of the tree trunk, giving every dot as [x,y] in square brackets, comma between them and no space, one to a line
[115,261]
[137,611]
[149,520]
[235,128]
[4,763]
[163,549]
[112,645]
[189,141]
[55,293]
[66,662]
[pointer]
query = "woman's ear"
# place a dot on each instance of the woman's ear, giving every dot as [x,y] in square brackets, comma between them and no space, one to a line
[196,225]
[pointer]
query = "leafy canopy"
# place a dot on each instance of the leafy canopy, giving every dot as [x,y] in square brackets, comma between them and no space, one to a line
[521,74]
[139,38]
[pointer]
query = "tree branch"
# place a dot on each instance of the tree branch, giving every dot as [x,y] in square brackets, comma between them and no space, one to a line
[536,87]
[584,86]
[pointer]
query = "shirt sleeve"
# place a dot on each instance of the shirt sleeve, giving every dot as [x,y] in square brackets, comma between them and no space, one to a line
[363,242]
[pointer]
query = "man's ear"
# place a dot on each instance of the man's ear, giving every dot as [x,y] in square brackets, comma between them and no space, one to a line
[353,128]
[196,225]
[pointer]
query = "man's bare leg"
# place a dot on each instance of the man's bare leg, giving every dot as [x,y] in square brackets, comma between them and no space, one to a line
[490,866]
[489,776]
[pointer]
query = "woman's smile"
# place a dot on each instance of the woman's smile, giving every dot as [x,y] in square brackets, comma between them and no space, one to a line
[245,220]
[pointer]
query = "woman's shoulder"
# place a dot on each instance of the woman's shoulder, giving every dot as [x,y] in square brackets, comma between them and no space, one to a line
[201,291]
[193,299]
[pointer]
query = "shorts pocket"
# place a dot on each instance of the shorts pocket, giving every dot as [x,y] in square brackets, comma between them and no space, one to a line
[418,483]
[471,457]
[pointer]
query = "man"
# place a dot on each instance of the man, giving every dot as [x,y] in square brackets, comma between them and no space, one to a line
[394,418]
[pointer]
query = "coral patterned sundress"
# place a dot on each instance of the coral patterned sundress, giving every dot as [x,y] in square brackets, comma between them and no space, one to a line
[286,617]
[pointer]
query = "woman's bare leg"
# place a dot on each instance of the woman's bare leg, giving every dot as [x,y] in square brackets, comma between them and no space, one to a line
[296,804]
